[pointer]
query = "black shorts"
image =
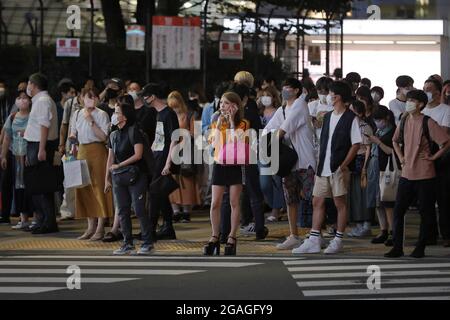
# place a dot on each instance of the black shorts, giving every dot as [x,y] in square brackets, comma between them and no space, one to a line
[226,175]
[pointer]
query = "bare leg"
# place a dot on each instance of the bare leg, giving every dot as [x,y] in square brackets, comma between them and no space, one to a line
[390,217]
[100,226]
[318,213]
[235,192]
[341,206]
[116,225]
[293,215]
[216,202]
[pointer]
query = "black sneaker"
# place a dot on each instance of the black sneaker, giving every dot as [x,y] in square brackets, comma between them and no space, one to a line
[381,238]
[263,235]
[166,233]
[45,230]
[419,252]
[186,218]
[394,253]
[176,217]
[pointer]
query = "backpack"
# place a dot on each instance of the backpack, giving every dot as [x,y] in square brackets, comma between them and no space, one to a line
[426,132]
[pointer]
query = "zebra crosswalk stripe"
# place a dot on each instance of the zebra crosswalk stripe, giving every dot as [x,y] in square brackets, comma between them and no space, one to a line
[15,271]
[331,279]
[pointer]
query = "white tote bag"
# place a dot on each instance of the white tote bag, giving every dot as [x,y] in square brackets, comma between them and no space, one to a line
[389,181]
[76,174]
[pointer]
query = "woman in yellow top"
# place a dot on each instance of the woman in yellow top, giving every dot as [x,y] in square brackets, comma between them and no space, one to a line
[230,118]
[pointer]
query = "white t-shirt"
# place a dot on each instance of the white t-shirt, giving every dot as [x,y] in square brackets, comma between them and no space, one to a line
[298,129]
[397,107]
[43,113]
[440,114]
[355,137]
[312,107]
[84,130]
[320,112]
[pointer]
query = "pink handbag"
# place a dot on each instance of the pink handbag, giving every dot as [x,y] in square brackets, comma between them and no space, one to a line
[235,153]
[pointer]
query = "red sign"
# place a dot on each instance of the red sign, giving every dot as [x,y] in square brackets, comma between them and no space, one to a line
[67,47]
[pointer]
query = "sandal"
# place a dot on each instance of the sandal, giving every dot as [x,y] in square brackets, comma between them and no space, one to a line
[272,219]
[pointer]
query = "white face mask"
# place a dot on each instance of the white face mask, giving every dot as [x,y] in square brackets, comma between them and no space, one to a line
[329,100]
[411,106]
[266,101]
[376,97]
[430,96]
[323,98]
[89,103]
[29,91]
[133,94]
[114,120]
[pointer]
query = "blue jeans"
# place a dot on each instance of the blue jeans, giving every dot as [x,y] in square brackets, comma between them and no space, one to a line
[133,195]
[272,188]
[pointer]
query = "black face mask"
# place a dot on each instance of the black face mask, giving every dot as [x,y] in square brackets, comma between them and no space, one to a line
[111,94]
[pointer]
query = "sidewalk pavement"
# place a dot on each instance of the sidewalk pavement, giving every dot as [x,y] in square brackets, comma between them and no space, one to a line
[191,237]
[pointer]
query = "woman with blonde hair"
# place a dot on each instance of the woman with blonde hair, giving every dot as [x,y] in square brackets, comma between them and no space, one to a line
[229,118]
[245,78]
[188,194]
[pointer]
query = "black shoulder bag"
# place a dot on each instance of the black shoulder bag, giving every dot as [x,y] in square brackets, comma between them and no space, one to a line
[124,176]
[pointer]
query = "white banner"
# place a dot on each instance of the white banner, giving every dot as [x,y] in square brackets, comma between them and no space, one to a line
[176,43]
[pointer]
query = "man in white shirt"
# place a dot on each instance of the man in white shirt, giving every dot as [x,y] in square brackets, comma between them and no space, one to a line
[340,140]
[42,137]
[439,110]
[294,124]
[398,105]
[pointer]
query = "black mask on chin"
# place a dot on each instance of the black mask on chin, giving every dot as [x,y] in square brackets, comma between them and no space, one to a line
[111,94]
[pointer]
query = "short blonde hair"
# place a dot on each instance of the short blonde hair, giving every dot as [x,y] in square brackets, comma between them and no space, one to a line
[245,77]
[175,101]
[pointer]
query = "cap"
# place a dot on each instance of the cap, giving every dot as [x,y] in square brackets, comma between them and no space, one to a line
[149,90]
[119,82]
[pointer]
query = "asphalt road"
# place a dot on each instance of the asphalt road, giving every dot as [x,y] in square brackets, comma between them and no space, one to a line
[40,275]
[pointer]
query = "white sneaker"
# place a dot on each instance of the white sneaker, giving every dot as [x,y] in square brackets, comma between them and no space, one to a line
[363,232]
[248,230]
[309,246]
[290,243]
[20,225]
[335,246]
[355,231]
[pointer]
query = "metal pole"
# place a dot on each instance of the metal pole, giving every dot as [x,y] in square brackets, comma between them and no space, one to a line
[303,48]
[205,42]
[298,47]
[342,45]
[148,40]
[1,22]
[327,47]
[41,40]
[91,42]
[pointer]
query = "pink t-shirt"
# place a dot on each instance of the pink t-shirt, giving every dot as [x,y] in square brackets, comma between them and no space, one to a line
[416,144]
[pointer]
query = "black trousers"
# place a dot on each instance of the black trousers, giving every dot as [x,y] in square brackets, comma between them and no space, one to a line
[43,204]
[7,186]
[424,190]
[443,200]
[253,198]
